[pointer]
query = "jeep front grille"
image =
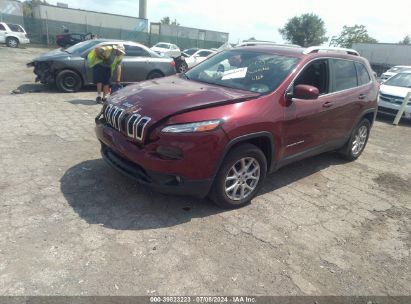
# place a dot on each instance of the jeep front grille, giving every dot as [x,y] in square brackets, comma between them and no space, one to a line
[133,125]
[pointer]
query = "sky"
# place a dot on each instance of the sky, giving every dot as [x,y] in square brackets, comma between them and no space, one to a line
[386,21]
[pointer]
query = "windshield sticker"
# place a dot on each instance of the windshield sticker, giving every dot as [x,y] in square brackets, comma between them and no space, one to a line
[236,73]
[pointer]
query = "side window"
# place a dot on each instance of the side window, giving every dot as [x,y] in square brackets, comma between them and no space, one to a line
[135,51]
[345,75]
[2,28]
[363,76]
[315,74]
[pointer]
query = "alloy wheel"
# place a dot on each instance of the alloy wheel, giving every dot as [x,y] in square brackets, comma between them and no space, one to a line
[242,178]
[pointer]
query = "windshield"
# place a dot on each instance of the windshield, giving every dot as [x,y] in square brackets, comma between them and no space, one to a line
[246,70]
[162,45]
[82,46]
[400,80]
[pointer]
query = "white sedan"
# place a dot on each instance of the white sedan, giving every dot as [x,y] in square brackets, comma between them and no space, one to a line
[167,49]
[198,57]
[392,93]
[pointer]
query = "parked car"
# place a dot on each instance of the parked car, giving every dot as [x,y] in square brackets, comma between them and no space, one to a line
[68,39]
[166,49]
[69,70]
[198,57]
[218,133]
[188,52]
[394,70]
[392,94]
[13,34]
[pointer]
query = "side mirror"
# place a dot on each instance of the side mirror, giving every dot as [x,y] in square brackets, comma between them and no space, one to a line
[304,91]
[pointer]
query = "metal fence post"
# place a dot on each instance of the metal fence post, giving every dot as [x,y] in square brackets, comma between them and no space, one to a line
[402,109]
[47,29]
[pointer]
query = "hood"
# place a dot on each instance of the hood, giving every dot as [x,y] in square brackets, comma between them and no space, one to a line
[161,98]
[394,91]
[55,54]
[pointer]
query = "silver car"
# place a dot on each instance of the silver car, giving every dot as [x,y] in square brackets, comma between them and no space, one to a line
[69,71]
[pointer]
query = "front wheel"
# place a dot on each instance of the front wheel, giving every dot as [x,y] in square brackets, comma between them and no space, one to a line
[68,81]
[240,177]
[357,142]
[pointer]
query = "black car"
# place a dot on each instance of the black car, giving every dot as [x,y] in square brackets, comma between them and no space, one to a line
[68,39]
[69,71]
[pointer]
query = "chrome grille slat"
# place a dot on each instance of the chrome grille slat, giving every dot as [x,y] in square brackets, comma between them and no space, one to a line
[133,126]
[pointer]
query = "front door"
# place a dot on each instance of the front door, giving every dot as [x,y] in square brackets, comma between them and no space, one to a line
[306,121]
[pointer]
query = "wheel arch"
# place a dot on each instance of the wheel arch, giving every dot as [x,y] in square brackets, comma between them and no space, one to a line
[262,140]
[154,71]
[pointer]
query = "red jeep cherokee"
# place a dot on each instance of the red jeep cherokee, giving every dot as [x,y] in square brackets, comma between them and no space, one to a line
[219,128]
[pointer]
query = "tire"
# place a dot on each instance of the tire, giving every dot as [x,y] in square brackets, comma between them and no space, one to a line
[12,42]
[357,142]
[68,81]
[182,68]
[224,193]
[155,74]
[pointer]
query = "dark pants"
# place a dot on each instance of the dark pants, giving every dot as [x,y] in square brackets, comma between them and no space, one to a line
[102,74]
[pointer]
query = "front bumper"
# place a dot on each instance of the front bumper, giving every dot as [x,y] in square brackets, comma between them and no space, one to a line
[24,41]
[162,183]
[191,175]
[392,109]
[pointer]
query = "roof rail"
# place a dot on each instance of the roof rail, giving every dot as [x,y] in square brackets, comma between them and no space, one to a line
[268,43]
[316,49]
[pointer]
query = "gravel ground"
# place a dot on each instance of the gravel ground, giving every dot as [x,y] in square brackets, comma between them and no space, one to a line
[70,225]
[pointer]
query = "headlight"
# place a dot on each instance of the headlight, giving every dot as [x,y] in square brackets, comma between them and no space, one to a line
[200,126]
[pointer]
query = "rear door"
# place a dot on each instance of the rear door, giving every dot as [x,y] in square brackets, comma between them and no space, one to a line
[347,96]
[306,121]
[135,65]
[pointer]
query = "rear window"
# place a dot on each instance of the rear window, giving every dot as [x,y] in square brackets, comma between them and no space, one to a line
[363,76]
[345,74]
[15,28]
[163,45]
[2,28]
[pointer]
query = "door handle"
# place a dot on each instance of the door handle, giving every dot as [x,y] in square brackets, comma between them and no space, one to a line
[327,104]
[362,96]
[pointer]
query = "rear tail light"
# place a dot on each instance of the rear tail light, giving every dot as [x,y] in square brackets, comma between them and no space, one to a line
[59,37]
[173,63]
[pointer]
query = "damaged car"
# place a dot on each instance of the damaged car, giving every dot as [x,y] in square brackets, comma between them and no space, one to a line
[69,71]
[220,128]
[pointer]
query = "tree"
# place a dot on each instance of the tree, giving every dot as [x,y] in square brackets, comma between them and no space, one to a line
[351,35]
[166,20]
[305,30]
[406,40]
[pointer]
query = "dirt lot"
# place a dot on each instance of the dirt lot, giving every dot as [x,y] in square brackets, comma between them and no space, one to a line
[70,225]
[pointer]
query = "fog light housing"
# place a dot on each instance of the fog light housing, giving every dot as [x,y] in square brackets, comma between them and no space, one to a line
[169,152]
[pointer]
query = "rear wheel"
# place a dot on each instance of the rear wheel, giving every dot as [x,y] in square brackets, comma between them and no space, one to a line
[240,177]
[12,42]
[68,81]
[182,67]
[155,74]
[357,142]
